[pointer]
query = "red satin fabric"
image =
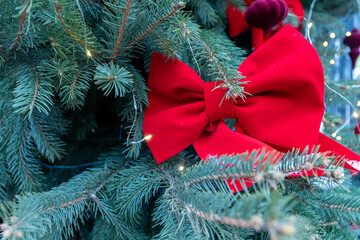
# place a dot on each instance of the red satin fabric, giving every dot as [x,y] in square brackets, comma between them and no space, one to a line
[284,110]
[237,23]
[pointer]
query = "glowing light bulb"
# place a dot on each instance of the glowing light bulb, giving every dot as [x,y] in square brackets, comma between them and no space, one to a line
[356,115]
[88,53]
[338,138]
[332,35]
[310,24]
[332,61]
[358,104]
[326,43]
[181,168]
[333,135]
[330,99]
[148,137]
[348,33]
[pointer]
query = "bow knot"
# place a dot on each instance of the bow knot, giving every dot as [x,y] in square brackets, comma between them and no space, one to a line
[217,105]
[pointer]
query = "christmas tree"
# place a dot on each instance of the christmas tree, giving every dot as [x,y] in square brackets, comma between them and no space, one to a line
[104,134]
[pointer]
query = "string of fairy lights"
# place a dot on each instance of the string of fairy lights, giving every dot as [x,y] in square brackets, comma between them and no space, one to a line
[332,35]
[325,44]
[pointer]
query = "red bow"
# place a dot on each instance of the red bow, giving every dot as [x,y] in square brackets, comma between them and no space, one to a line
[237,23]
[284,110]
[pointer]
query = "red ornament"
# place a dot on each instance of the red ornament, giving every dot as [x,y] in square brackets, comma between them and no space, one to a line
[357,129]
[353,42]
[266,14]
[237,23]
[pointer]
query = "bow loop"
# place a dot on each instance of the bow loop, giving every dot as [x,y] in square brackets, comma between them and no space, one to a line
[217,105]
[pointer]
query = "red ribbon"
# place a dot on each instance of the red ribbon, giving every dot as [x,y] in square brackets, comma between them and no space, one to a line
[284,111]
[237,23]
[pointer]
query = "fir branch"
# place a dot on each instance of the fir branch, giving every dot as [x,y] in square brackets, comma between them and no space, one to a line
[47,141]
[92,3]
[169,46]
[66,204]
[213,59]
[75,80]
[333,223]
[57,213]
[205,12]
[122,29]
[112,77]
[58,9]
[139,86]
[139,101]
[22,161]
[107,180]
[205,211]
[340,207]
[217,177]
[113,218]
[177,223]
[20,32]
[217,59]
[32,103]
[89,194]
[149,29]
[33,91]
[134,146]
[109,8]
[20,154]
[331,206]
[105,211]
[75,83]
[255,223]
[72,92]
[253,166]
[134,122]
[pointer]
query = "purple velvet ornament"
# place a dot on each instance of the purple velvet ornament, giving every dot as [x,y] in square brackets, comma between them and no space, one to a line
[353,42]
[266,14]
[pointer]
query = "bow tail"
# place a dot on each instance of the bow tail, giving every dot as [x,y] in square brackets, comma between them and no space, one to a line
[224,141]
[352,160]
